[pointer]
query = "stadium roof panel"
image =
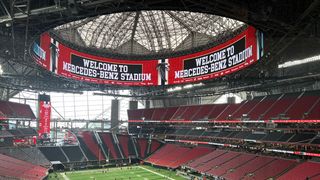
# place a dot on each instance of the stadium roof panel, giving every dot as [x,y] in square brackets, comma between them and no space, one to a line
[156,31]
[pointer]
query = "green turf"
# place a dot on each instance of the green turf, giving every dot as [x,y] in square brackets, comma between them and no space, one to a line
[55,176]
[124,173]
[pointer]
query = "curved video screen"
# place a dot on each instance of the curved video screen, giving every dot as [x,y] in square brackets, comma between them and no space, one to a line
[231,56]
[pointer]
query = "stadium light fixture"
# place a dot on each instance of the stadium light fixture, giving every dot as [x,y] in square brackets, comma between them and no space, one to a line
[1,71]
[197,85]
[174,89]
[300,61]
[189,86]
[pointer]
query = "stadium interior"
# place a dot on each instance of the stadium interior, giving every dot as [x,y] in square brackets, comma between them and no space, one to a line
[190,89]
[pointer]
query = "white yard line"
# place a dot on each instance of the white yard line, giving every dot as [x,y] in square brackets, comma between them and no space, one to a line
[156,173]
[64,176]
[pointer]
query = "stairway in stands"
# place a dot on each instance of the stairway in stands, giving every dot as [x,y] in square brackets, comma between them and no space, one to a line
[97,137]
[116,141]
[135,145]
[90,146]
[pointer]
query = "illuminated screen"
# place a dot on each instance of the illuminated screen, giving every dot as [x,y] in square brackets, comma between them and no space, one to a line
[228,57]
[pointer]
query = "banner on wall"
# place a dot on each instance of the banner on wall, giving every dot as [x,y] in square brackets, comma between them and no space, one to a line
[228,57]
[44,109]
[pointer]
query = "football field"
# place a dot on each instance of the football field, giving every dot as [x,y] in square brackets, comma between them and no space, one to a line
[124,173]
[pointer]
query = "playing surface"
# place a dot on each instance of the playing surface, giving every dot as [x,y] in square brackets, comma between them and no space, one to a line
[132,172]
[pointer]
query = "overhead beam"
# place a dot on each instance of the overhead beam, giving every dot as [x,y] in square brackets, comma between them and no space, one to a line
[134,29]
[166,30]
[180,21]
[34,12]
[283,42]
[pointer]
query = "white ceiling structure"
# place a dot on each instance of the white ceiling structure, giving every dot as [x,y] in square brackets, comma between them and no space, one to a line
[147,32]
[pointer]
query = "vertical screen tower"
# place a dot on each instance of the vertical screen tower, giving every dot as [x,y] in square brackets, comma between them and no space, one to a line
[44,115]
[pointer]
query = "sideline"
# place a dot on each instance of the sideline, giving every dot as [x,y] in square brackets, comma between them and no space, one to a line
[156,173]
[95,170]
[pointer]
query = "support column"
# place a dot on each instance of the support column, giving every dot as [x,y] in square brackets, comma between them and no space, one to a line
[8,94]
[133,105]
[102,125]
[249,96]
[147,104]
[115,115]
[231,100]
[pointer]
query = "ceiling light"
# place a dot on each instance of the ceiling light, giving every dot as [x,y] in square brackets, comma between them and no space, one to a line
[300,61]
[1,71]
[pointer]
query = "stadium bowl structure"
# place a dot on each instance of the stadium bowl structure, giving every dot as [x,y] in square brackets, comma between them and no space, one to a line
[134,89]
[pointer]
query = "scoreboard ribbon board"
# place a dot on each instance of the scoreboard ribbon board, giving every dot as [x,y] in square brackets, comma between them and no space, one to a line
[228,57]
[70,63]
